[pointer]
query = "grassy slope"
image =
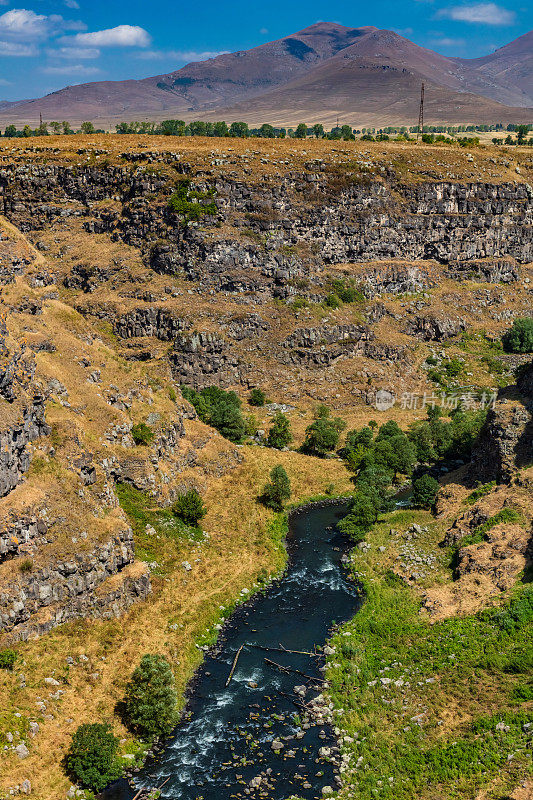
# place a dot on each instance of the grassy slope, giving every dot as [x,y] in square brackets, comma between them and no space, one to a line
[422,699]
[180,614]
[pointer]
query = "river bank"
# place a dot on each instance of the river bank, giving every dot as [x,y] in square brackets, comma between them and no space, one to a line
[430,708]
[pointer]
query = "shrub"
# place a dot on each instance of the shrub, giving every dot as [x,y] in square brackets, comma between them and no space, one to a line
[189,507]
[277,490]
[26,565]
[425,490]
[333,301]
[91,758]
[519,338]
[142,433]
[220,409]
[279,435]
[7,659]
[322,436]
[150,702]
[257,398]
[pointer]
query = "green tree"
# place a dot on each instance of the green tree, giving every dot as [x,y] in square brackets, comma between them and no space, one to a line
[277,490]
[519,338]
[189,507]
[239,130]
[322,436]
[91,758]
[425,490]
[87,127]
[267,131]
[521,133]
[257,397]
[318,131]
[301,131]
[150,701]
[280,435]
[56,128]
[27,131]
[67,130]
[362,515]
[172,127]
[10,131]
[220,129]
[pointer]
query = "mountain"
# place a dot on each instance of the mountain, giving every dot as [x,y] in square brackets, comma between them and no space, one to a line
[511,64]
[363,93]
[364,75]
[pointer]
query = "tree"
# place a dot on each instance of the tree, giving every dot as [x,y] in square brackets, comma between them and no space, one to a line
[257,398]
[301,131]
[228,420]
[425,490]
[87,127]
[267,131]
[280,435]
[318,131]
[189,507]
[150,702]
[239,130]
[277,490]
[521,133]
[10,131]
[322,437]
[91,758]
[56,127]
[220,129]
[519,338]
[27,131]
[362,515]
[396,453]
[67,130]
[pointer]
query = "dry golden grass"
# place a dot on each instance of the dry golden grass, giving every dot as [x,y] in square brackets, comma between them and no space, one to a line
[237,550]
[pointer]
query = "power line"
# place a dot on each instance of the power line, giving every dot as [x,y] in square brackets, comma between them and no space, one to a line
[421,114]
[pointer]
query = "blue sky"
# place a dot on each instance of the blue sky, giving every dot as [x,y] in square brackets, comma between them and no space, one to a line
[48,44]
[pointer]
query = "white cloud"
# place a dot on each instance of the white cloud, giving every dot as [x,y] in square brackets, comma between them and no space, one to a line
[3,82]
[179,55]
[71,4]
[481,13]
[263,31]
[72,69]
[24,25]
[17,49]
[121,36]
[74,52]
[447,41]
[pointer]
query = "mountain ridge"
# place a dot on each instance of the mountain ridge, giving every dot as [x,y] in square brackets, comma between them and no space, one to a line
[257,84]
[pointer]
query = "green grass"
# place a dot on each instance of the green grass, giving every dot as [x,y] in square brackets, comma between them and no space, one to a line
[141,510]
[480,492]
[478,534]
[422,700]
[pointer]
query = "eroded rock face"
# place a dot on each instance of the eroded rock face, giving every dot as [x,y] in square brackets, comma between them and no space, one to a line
[435,329]
[68,588]
[506,441]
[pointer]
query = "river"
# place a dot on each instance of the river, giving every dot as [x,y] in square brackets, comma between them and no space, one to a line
[225,741]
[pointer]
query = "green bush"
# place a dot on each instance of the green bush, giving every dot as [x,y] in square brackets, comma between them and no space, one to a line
[7,659]
[142,433]
[425,490]
[280,435]
[150,702]
[220,409]
[322,436]
[277,490]
[257,398]
[333,301]
[519,338]
[189,507]
[91,758]
[191,205]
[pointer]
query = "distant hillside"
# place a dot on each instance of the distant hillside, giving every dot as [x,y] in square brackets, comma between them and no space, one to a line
[363,75]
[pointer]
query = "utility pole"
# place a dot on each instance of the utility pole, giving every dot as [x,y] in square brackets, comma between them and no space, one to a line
[421,114]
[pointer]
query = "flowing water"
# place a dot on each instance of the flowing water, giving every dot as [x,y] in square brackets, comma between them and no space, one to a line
[225,741]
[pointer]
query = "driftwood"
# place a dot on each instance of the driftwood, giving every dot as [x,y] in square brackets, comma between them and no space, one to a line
[230,676]
[279,649]
[290,669]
